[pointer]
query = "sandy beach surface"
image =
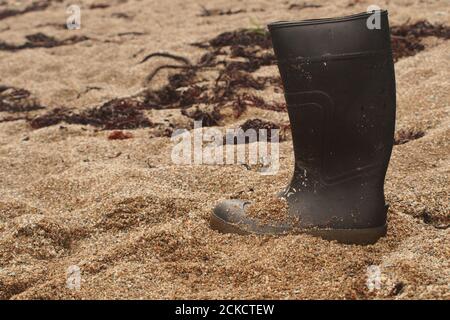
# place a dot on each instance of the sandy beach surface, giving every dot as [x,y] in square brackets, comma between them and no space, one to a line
[87,179]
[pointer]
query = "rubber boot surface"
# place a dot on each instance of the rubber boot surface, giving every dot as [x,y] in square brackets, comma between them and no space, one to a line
[338,77]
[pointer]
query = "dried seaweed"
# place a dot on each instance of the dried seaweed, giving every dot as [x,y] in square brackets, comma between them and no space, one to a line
[115,114]
[406,135]
[99,6]
[120,135]
[17,100]
[34,6]
[208,118]
[41,40]
[219,12]
[299,6]
[256,125]
[406,38]
[242,37]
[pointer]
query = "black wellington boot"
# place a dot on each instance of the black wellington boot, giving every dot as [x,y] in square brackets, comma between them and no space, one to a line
[338,77]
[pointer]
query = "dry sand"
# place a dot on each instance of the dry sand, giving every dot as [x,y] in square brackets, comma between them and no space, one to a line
[137,225]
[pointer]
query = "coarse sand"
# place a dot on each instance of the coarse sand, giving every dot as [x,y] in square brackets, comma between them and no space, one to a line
[135,223]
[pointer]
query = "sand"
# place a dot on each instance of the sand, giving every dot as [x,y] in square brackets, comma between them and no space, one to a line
[136,224]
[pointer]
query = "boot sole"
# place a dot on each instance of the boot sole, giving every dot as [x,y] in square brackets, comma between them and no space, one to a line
[362,236]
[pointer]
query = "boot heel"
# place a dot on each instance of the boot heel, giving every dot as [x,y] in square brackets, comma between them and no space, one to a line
[351,236]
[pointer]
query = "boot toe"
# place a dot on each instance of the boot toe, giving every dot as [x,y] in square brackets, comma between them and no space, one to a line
[231,210]
[229,216]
